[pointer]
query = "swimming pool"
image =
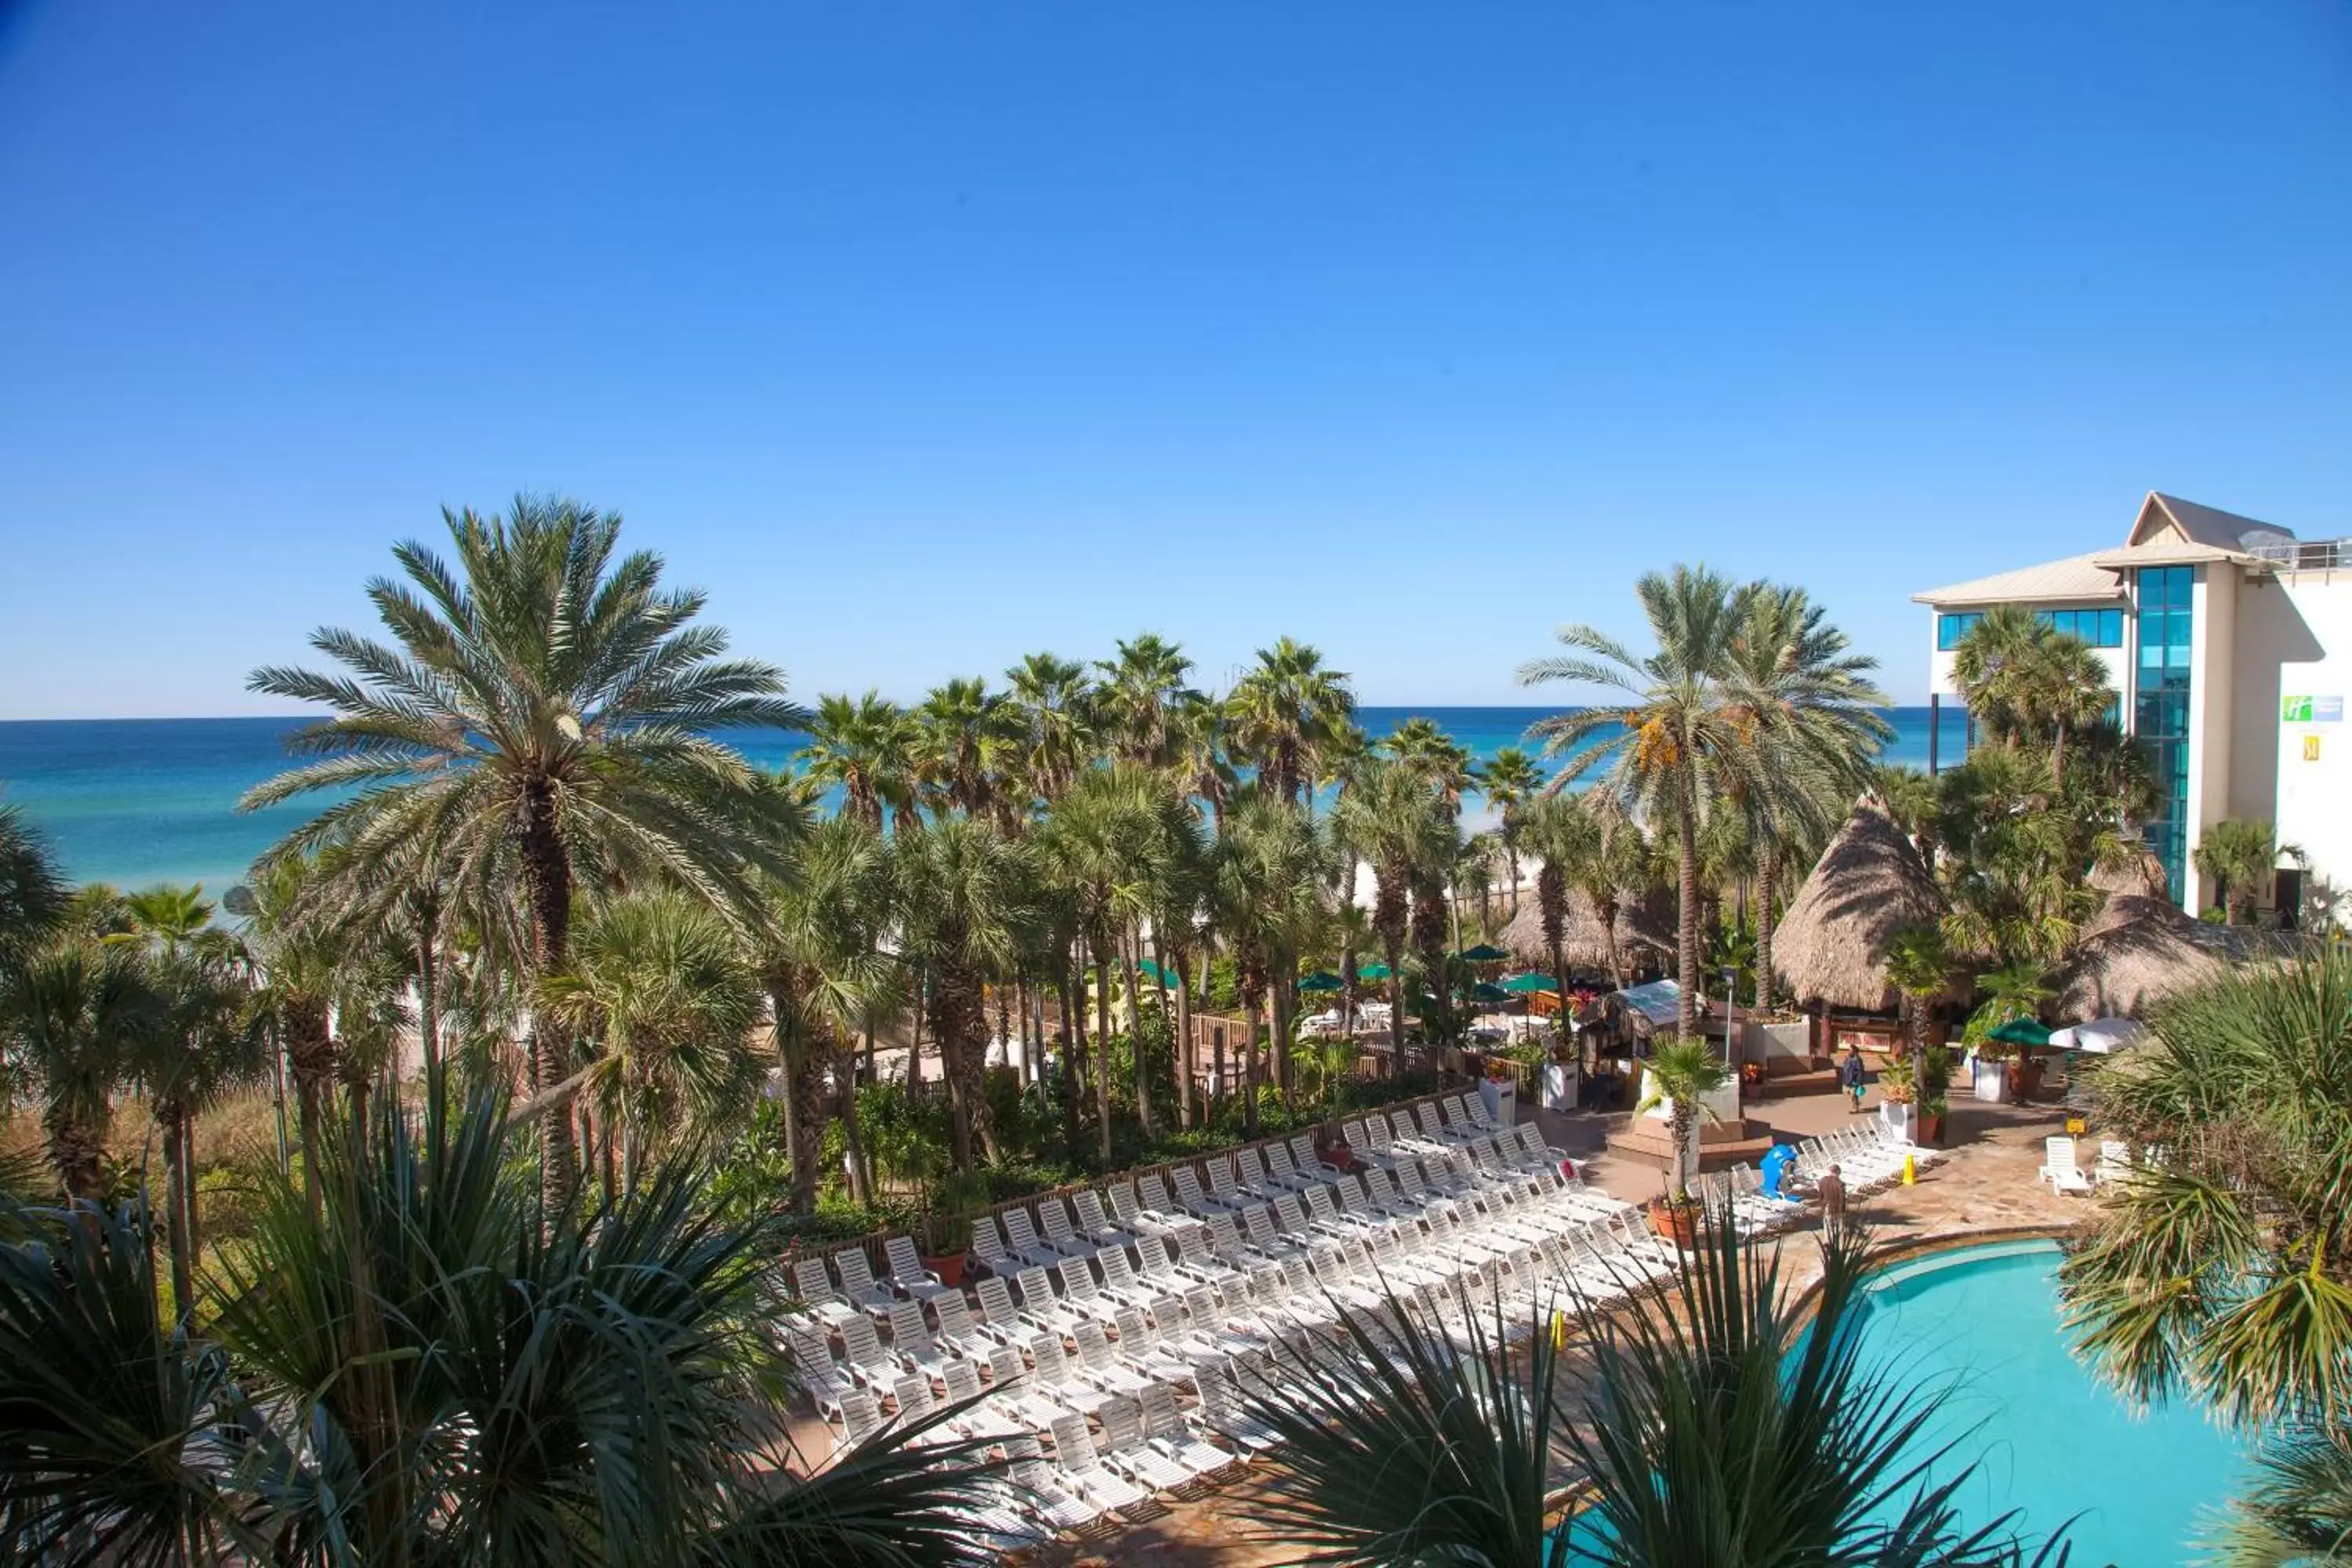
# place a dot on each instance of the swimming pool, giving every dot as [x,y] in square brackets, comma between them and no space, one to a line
[2056,1442]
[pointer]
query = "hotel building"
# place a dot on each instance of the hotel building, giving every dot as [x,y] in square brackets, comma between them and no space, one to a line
[2229,643]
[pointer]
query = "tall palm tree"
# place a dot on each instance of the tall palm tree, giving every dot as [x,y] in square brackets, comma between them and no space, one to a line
[818,954]
[867,746]
[1282,710]
[1272,867]
[2072,691]
[1919,967]
[1812,717]
[1103,841]
[1200,759]
[1673,747]
[963,897]
[1993,664]
[660,987]
[33,892]
[965,734]
[299,952]
[1737,1422]
[1915,800]
[1390,819]
[1142,689]
[1511,779]
[547,692]
[1050,718]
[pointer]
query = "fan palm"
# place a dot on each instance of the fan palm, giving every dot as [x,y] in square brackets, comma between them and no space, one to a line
[1272,869]
[1199,756]
[818,954]
[1510,779]
[1050,721]
[73,1013]
[33,893]
[1727,1425]
[1282,710]
[868,747]
[658,986]
[299,951]
[1674,746]
[1141,688]
[965,731]
[550,694]
[1389,818]
[1680,1073]
[962,892]
[1919,967]
[1993,665]
[2241,858]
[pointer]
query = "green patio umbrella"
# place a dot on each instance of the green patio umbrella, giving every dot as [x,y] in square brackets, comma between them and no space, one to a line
[2021,1032]
[1484,952]
[1486,991]
[1320,980]
[1153,973]
[1526,984]
[1372,971]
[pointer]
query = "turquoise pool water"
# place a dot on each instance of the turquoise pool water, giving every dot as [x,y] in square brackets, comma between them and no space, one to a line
[2056,1444]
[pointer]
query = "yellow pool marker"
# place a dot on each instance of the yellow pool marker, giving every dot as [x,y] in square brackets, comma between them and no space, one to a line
[1910,1170]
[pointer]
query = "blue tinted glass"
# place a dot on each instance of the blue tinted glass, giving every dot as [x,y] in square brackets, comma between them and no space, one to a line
[2111,628]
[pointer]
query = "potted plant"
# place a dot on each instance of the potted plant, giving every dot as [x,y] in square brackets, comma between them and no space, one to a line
[1932,1111]
[1934,1081]
[1682,1073]
[947,1223]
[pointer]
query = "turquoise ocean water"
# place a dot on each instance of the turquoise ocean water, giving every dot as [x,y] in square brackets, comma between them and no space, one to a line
[138,801]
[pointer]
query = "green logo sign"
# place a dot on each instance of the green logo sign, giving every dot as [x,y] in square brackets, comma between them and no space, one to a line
[2295,709]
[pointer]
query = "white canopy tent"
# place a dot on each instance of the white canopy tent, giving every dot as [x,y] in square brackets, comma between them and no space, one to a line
[2100,1037]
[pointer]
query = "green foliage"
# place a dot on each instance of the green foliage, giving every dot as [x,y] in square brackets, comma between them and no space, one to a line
[1224,984]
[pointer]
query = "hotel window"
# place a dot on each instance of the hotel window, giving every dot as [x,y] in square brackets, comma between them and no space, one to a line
[1950,629]
[2100,628]
[2160,715]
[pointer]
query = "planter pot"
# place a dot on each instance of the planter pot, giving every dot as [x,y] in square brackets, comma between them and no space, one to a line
[949,1269]
[1931,1129]
[1992,1083]
[1895,1116]
[2029,1080]
[1679,1226]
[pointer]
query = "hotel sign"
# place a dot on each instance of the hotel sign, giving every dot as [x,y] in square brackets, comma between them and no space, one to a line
[2311,710]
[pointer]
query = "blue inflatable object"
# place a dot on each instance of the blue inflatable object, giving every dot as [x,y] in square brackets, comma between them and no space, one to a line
[1775,1169]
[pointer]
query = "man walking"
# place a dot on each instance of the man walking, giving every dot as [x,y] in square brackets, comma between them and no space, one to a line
[1832,1189]
[1850,1074]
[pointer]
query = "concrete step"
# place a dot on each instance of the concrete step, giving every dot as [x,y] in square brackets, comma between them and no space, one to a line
[1720,1146]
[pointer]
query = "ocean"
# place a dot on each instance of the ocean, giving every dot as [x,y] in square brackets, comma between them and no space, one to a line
[140,801]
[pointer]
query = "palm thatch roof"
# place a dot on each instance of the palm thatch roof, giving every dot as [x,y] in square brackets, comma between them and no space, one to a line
[1584,942]
[2137,951]
[2140,873]
[1869,884]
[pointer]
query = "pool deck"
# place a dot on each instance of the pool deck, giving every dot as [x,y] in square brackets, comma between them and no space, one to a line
[1989,1183]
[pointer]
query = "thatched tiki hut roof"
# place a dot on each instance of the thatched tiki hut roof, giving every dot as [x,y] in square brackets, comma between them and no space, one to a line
[1869,884]
[2139,873]
[1583,941]
[2137,951]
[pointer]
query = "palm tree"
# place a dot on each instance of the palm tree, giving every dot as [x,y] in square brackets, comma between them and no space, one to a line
[1681,1072]
[33,893]
[818,954]
[1994,666]
[592,1391]
[1675,747]
[965,730]
[867,746]
[1738,1421]
[658,986]
[299,954]
[1282,710]
[72,1014]
[1272,867]
[1050,718]
[1914,800]
[1510,779]
[1919,967]
[1390,819]
[962,892]
[547,693]
[1199,758]
[2071,692]
[1812,718]
[1142,689]
[2239,857]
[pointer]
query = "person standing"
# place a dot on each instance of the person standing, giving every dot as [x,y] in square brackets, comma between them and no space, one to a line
[1831,1189]
[1850,1074]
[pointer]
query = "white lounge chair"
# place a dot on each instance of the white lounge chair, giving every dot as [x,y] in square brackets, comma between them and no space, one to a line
[2060,1169]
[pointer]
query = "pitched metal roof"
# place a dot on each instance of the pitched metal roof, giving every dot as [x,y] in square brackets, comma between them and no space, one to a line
[2074,580]
[2205,525]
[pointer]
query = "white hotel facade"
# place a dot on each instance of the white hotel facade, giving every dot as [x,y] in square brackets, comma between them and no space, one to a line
[2230,642]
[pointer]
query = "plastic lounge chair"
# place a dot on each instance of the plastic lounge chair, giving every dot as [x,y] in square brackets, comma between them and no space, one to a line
[1126,1449]
[1053,1378]
[861,1418]
[868,1294]
[1221,1412]
[907,1270]
[869,1362]
[1054,1220]
[1164,1430]
[814,1368]
[1100,1364]
[2060,1170]
[1057,1509]
[911,1342]
[998,1318]
[1080,1292]
[1074,1453]
[1096,1225]
[818,1294]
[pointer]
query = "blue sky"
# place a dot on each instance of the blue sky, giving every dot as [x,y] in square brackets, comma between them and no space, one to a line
[925,335]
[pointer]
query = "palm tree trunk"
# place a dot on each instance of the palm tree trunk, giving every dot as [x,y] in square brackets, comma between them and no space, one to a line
[428,1011]
[1686,913]
[1511,854]
[1187,1057]
[861,1191]
[1396,1004]
[174,1119]
[1135,1029]
[1074,1046]
[1102,1048]
[547,888]
[915,1034]
[1766,921]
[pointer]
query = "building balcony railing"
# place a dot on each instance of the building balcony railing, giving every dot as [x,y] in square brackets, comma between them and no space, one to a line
[2306,555]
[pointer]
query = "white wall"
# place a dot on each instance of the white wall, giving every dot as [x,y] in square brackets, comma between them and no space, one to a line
[2117,659]
[2314,797]
[2212,705]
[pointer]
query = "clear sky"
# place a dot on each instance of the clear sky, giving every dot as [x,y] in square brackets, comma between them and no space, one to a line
[925,334]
